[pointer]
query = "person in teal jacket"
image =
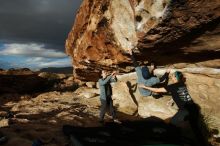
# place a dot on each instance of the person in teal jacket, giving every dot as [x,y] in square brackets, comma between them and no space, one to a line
[106,94]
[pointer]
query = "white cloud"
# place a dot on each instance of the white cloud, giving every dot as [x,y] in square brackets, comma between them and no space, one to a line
[40,62]
[30,50]
[33,56]
[56,63]
[35,60]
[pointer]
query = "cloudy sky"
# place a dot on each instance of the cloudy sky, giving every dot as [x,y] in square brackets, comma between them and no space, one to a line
[33,32]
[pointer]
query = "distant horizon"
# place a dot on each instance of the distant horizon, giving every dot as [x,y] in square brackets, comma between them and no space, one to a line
[37,69]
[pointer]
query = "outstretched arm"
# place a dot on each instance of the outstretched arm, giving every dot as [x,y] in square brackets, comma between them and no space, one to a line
[103,82]
[157,90]
[165,76]
[114,78]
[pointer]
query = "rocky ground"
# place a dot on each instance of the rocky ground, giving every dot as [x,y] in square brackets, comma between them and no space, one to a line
[26,117]
[27,114]
[42,116]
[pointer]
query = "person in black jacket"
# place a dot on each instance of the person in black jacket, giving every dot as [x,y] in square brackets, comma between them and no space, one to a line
[187,109]
[179,94]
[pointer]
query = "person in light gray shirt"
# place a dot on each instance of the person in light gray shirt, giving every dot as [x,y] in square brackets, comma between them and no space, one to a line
[106,94]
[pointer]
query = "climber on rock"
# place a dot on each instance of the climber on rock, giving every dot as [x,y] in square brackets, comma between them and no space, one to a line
[187,109]
[146,77]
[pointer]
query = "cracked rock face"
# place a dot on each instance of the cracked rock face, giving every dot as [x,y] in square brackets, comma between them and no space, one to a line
[181,31]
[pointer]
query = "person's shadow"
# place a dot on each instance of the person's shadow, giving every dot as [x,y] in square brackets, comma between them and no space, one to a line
[132,89]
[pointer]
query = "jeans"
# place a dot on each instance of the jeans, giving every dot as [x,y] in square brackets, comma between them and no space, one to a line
[105,105]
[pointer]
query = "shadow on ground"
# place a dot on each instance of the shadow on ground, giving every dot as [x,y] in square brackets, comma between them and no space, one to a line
[150,131]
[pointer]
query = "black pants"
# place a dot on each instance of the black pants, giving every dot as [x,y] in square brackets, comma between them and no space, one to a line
[180,116]
[105,105]
[191,112]
[197,123]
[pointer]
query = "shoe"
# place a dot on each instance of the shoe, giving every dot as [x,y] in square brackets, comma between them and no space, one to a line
[159,130]
[3,139]
[156,95]
[117,121]
[101,121]
[37,142]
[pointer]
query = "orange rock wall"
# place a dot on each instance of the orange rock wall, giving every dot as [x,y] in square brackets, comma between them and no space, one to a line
[182,31]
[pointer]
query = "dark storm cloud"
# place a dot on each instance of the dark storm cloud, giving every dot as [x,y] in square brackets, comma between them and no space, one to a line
[39,21]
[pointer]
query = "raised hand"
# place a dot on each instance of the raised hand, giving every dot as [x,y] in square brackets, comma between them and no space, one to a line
[113,73]
[169,69]
[130,51]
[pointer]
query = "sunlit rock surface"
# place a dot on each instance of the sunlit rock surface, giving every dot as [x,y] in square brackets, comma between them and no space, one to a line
[181,32]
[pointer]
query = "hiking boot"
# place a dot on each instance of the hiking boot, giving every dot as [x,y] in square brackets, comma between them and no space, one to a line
[101,121]
[37,142]
[159,130]
[3,139]
[156,95]
[116,121]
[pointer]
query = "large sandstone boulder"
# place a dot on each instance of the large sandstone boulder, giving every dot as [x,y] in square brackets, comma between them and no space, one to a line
[128,100]
[161,108]
[123,98]
[87,92]
[205,92]
[180,31]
